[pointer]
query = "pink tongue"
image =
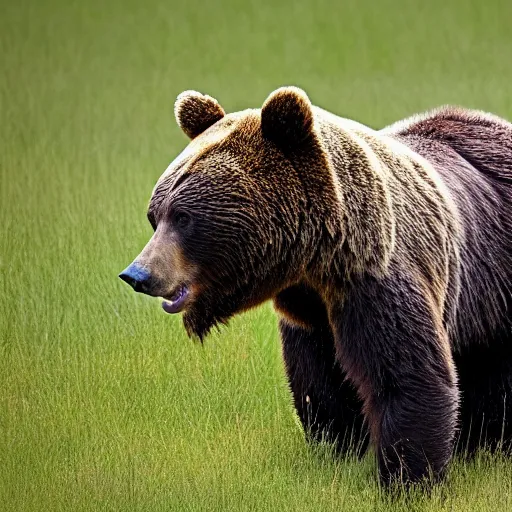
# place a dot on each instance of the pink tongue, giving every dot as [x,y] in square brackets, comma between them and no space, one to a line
[177,304]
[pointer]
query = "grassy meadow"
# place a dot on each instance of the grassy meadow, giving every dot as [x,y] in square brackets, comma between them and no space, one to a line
[104,402]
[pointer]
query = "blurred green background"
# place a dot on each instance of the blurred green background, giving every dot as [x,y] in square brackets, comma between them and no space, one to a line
[104,403]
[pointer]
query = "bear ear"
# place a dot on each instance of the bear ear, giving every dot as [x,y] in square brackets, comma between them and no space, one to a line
[287,117]
[195,112]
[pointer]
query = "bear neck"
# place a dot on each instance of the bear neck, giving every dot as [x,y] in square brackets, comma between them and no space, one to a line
[350,226]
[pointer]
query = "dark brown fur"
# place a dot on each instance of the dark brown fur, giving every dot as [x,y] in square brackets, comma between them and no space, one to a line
[472,152]
[387,255]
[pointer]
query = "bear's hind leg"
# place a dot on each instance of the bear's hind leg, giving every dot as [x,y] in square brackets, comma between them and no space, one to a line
[485,382]
[327,403]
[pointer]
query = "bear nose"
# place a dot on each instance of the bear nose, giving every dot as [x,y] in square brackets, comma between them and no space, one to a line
[137,277]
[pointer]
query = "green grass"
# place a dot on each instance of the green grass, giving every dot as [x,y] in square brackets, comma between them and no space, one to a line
[104,403]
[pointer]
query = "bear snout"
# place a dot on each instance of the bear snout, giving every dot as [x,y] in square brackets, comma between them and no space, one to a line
[138,277]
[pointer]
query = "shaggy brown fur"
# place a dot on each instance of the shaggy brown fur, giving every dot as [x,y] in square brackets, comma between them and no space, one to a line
[387,255]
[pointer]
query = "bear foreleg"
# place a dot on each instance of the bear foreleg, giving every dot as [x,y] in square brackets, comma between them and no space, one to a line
[394,349]
[326,402]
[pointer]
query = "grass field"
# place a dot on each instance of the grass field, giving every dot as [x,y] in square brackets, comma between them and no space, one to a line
[104,402]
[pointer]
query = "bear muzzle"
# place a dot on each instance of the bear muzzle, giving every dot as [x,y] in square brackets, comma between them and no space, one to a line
[138,277]
[142,281]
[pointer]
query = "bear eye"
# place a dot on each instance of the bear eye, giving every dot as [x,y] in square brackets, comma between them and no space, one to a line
[181,219]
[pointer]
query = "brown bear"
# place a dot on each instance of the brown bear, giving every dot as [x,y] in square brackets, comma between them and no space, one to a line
[387,255]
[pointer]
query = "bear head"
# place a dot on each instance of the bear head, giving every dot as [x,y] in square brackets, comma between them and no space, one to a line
[237,215]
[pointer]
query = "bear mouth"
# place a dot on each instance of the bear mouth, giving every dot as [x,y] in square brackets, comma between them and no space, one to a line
[176,301]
